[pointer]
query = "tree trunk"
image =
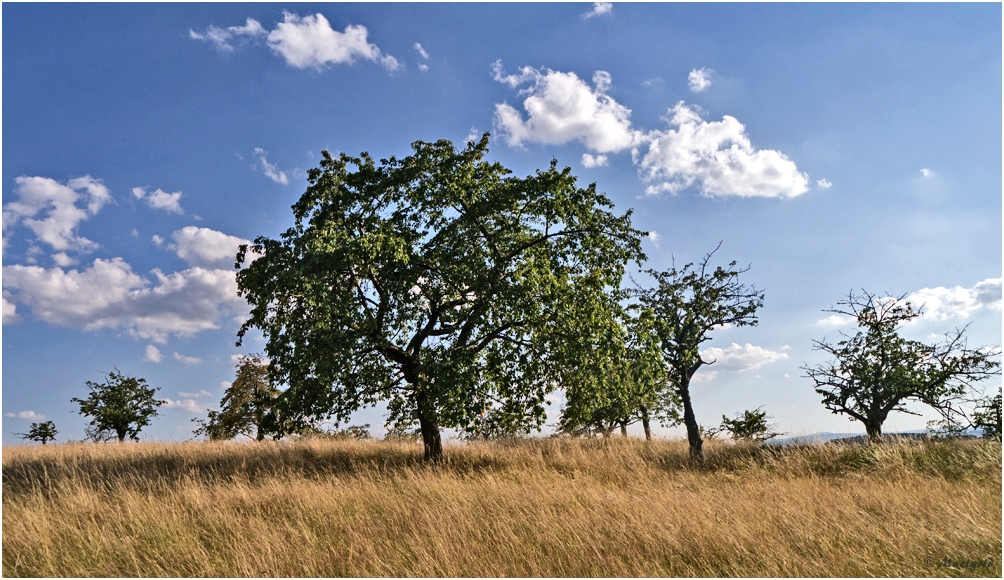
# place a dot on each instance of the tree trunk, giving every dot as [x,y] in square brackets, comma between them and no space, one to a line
[874,430]
[690,420]
[121,435]
[645,423]
[624,429]
[430,433]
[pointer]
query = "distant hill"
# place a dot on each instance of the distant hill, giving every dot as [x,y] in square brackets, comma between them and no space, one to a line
[850,438]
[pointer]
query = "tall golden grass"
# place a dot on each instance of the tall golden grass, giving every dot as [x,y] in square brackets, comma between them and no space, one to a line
[528,508]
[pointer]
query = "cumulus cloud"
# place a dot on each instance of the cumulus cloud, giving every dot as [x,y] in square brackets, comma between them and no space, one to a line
[205,247]
[719,156]
[29,415]
[188,360]
[699,79]
[60,208]
[946,303]
[108,294]
[589,161]
[741,357]
[309,41]
[189,405]
[599,9]
[10,315]
[824,184]
[152,354]
[221,38]
[63,260]
[271,170]
[561,108]
[160,199]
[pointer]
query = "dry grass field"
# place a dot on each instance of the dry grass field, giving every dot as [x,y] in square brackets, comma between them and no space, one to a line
[530,508]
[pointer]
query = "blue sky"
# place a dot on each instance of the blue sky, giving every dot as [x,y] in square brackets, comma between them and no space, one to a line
[830,147]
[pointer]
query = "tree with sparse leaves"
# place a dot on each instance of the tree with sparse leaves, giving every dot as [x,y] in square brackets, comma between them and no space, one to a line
[41,432]
[876,371]
[246,404]
[438,282]
[987,417]
[686,304]
[121,405]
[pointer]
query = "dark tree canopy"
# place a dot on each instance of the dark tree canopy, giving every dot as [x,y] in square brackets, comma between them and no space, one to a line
[41,432]
[876,371]
[245,406]
[686,305]
[121,405]
[437,281]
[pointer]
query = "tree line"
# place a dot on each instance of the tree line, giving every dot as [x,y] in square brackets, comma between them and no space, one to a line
[462,295]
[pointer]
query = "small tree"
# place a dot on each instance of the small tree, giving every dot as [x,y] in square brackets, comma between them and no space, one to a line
[686,305]
[750,426]
[246,404]
[988,417]
[876,371]
[122,405]
[41,432]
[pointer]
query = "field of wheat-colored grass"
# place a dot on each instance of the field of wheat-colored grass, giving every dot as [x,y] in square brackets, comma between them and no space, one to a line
[530,508]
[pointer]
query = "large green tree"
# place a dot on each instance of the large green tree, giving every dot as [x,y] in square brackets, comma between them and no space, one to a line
[876,371]
[121,405]
[437,281]
[686,305]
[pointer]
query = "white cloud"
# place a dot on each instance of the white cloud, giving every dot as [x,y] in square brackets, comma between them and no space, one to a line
[824,183]
[152,354]
[108,294]
[271,170]
[719,155]
[10,315]
[159,241]
[30,415]
[589,161]
[205,247]
[221,37]
[836,320]
[945,303]
[189,405]
[63,260]
[925,172]
[599,9]
[699,79]
[423,67]
[311,42]
[61,206]
[421,51]
[224,385]
[160,199]
[562,108]
[188,360]
[195,395]
[741,358]
[704,376]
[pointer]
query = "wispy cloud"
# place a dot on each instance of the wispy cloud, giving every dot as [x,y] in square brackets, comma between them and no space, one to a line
[271,170]
[187,360]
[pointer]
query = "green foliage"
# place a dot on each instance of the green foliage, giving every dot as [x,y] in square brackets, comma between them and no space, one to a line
[686,305]
[750,426]
[876,371]
[245,406]
[41,432]
[988,417]
[438,282]
[120,406]
[622,381]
